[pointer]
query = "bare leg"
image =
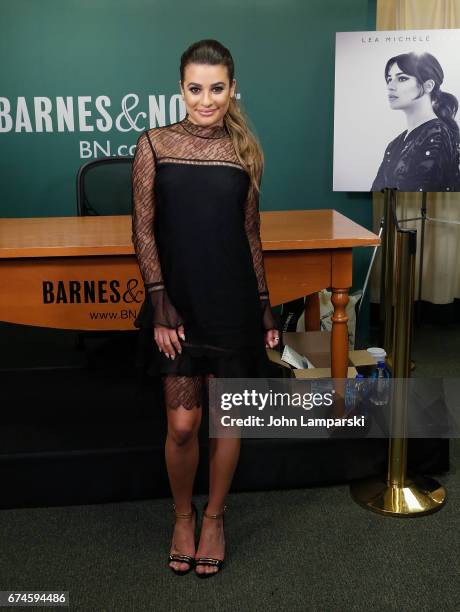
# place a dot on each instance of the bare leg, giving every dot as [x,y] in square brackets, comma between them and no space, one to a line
[223,459]
[183,406]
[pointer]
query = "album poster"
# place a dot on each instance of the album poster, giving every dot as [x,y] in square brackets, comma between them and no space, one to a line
[395,111]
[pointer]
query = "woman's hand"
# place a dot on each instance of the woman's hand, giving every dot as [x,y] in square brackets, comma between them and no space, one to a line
[271,338]
[167,339]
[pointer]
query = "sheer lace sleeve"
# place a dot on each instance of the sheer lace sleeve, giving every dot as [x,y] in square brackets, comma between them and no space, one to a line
[143,237]
[252,227]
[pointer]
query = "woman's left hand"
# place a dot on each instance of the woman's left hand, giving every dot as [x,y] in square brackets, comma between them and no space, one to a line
[271,338]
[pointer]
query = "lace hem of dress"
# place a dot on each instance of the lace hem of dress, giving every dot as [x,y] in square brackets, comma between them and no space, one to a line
[184,378]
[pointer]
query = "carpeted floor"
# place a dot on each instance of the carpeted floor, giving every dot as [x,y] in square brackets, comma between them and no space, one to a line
[311,549]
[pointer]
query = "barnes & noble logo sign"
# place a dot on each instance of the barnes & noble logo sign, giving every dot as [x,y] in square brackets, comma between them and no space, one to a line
[87,114]
[91,292]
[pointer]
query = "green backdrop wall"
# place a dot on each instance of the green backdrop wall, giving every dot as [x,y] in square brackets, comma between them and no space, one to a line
[77,52]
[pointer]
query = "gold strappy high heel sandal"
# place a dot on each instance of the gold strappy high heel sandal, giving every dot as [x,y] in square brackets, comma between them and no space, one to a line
[179,556]
[209,560]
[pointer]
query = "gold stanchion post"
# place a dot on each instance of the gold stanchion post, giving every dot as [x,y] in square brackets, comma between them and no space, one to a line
[387,278]
[398,495]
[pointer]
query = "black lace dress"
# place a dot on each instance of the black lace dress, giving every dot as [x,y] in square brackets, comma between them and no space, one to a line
[426,159]
[196,234]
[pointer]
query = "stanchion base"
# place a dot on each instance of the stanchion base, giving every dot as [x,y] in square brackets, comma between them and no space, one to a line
[418,497]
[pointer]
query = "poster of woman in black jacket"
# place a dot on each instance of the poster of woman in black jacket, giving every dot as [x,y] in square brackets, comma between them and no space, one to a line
[425,157]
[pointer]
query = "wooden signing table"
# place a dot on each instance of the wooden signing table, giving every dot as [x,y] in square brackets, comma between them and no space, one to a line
[81,272]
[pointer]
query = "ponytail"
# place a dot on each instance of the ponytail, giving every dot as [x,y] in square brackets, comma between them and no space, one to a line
[246,146]
[445,105]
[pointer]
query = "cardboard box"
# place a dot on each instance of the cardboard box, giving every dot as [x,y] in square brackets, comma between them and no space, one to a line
[309,355]
[315,345]
[321,373]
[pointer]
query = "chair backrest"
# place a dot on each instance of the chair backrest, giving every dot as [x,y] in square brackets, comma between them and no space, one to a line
[104,187]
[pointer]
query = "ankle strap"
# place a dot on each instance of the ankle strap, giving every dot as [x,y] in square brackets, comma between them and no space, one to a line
[215,516]
[185,515]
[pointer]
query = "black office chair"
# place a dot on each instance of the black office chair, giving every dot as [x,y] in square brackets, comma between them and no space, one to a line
[104,188]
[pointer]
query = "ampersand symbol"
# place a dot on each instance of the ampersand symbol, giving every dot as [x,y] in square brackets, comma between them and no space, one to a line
[129,297]
[125,114]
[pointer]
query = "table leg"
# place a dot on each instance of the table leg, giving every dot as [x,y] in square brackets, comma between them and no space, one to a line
[341,271]
[339,348]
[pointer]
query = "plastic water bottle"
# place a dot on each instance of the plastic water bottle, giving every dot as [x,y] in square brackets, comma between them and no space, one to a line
[362,395]
[354,394]
[380,391]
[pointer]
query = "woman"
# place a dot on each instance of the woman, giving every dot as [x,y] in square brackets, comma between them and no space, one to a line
[425,157]
[196,234]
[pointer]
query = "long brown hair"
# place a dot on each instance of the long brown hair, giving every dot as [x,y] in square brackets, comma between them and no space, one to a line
[247,148]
